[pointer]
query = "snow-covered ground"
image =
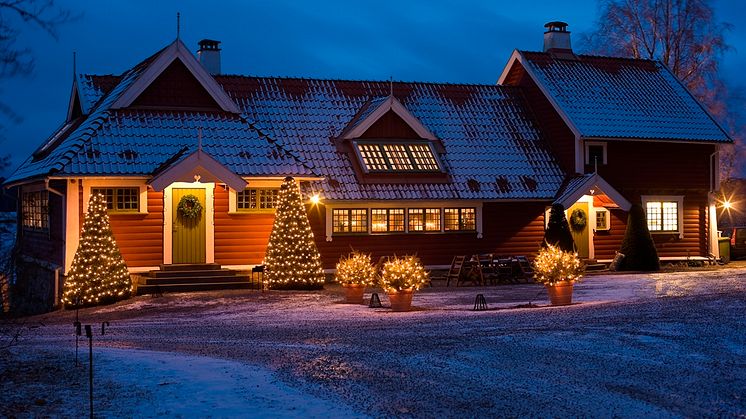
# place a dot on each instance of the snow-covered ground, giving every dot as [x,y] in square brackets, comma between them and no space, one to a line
[635,345]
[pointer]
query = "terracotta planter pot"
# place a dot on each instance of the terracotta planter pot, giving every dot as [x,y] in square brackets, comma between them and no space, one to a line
[401,300]
[560,294]
[354,293]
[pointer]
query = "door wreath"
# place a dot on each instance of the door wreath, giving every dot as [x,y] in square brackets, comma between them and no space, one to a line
[189,207]
[578,219]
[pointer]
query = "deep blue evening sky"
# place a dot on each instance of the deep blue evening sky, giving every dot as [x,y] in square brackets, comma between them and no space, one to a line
[424,40]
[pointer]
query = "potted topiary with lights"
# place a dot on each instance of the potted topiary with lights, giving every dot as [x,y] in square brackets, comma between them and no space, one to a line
[401,277]
[558,270]
[354,272]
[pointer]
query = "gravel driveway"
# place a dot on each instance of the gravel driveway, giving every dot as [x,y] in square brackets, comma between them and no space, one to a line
[663,345]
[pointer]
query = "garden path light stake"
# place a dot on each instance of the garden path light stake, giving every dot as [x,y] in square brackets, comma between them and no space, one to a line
[89,335]
[76,324]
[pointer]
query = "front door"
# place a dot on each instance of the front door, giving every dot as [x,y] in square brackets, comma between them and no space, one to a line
[188,228]
[579,219]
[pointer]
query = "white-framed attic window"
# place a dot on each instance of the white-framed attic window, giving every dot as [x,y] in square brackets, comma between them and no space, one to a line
[664,214]
[381,156]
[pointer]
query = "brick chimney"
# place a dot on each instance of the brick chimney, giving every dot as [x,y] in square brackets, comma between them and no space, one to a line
[557,38]
[209,55]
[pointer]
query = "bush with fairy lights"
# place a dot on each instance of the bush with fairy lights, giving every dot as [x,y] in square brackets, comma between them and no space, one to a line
[98,274]
[355,269]
[403,273]
[292,260]
[553,265]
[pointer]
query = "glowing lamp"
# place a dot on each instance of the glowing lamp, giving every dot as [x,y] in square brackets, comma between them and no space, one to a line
[727,204]
[315,199]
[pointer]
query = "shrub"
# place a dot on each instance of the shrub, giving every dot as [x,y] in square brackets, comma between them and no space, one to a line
[552,265]
[402,273]
[638,246]
[558,230]
[355,268]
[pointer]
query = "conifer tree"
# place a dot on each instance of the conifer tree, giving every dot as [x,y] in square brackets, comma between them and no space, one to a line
[558,230]
[292,260]
[638,247]
[98,273]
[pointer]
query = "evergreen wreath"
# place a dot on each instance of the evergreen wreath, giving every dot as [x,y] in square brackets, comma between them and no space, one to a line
[578,219]
[189,207]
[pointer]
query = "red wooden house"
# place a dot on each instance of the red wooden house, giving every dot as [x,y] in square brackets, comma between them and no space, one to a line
[400,167]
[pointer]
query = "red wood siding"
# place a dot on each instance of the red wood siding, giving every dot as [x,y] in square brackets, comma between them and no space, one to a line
[176,87]
[514,228]
[240,239]
[48,246]
[390,125]
[694,242]
[560,138]
[657,165]
[140,236]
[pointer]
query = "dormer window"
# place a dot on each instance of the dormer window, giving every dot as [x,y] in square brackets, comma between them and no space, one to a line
[388,156]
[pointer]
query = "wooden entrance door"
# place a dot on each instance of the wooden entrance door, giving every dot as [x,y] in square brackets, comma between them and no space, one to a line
[581,236]
[188,234]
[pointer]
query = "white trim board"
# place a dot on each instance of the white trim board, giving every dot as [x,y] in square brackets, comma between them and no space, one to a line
[209,219]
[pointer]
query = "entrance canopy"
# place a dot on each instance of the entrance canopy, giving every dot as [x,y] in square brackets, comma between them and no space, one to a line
[197,167]
[590,184]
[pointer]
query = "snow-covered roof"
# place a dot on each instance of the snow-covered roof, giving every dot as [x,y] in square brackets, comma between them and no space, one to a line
[606,97]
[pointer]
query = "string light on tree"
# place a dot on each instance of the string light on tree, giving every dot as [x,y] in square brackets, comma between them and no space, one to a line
[292,260]
[98,273]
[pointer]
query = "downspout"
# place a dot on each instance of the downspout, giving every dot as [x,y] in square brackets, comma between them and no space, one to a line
[712,231]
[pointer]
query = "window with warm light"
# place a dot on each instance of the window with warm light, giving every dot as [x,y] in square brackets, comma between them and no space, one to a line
[460,219]
[602,219]
[387,220]
[120,199]
[664,213]
[350,220]
[397,157]
[257,199]
[424,219]
[35,210]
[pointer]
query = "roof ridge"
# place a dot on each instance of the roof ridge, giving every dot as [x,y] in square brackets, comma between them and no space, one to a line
[605,57]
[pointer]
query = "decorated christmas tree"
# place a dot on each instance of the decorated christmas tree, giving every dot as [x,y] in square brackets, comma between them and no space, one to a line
[292,260]
[98,273]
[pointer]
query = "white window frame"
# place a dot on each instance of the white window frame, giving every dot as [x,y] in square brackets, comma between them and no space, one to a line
[679,199]
[405,143]
[406,205]
[252,184]
[91,184]
[597,210]
[588,144]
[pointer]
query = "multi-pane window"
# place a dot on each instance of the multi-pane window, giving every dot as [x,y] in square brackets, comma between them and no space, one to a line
[602,219]
[424,219]
[350,220]
[257,199]
[35,210]
[663,215]
[398,157]
[120,199]
[386,220]
[460,219]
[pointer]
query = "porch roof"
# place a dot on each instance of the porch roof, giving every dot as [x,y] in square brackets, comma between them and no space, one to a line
[197,166]
[589,184]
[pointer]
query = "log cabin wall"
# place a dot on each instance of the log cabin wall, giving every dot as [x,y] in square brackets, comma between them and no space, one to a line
[508,228]
[140,236]
[240,239]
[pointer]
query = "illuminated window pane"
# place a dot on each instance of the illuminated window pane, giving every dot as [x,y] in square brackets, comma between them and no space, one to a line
[468,219]
[378,220]
[416,219]
[372,157]
[670,217]
[340,221]
[398,157]
[451,219]
[602,220]
[359,221]
[396,219]
[654,216]
[423,157]
[432,219]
